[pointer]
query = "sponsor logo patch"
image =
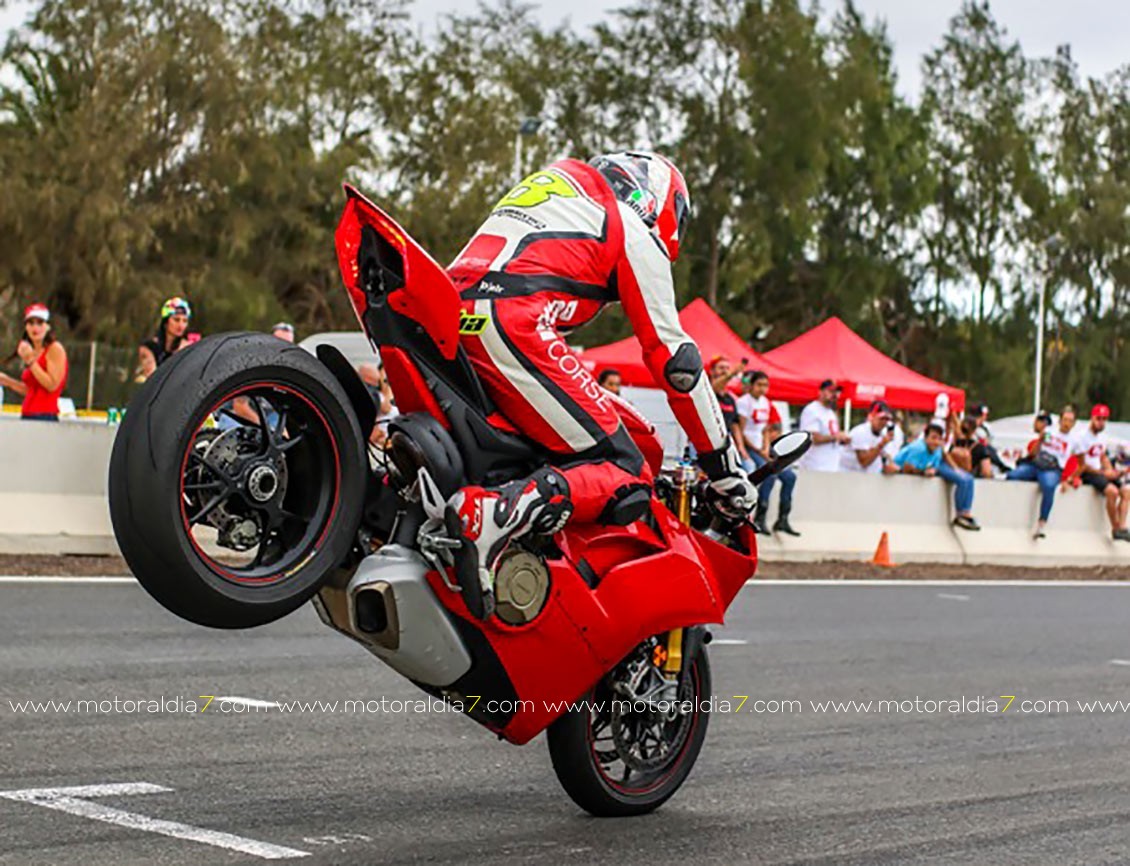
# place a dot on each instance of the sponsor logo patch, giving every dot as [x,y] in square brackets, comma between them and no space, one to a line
[472,323]
[537,189]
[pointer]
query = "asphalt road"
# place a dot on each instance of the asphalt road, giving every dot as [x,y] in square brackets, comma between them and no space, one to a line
[805,786]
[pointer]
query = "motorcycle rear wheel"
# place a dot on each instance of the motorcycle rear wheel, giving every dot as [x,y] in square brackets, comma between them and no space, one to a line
[585,761]
[237,525]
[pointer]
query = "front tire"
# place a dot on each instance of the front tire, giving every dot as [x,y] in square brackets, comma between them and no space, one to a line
[235,527]
[590,764]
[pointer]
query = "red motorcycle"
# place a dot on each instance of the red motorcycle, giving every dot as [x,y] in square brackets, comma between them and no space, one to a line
[241,486]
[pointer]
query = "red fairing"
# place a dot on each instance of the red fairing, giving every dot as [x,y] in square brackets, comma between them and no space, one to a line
[408,386]
[646,586]
[428,296]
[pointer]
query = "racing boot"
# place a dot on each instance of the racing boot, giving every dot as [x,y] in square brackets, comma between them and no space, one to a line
[487,519]
[782,522]
[760,516]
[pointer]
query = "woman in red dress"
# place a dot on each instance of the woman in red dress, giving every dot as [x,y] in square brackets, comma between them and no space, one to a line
[44,367]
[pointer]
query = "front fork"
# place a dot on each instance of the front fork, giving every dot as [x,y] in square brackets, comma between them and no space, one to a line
[681,642]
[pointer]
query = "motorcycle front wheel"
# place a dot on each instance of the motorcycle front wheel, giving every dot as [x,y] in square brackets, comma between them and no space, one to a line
[237,480]
[618,761]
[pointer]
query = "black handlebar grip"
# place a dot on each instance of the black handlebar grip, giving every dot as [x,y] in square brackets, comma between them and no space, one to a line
[763,472]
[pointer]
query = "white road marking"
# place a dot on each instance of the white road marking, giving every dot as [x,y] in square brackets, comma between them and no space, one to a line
[1123,663]
[335,839]
[1049,584]
[251,702]
[728,641]
[46,579]
[951,596]
[77,801]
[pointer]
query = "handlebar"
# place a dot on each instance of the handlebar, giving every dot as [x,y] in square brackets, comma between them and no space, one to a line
[763,472]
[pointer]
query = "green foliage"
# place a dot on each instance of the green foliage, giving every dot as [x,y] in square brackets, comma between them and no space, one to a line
[196,147]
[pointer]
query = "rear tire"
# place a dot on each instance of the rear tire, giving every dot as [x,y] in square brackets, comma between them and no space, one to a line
[319,488]
[574,752]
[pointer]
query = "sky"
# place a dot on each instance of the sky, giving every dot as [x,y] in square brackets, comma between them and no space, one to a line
[1096,29]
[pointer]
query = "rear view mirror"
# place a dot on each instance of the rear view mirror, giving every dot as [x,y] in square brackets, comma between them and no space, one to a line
[790,448]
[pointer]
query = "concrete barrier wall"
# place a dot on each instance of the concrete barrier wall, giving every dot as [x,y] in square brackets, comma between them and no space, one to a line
[53,487]
[843,516]
[53,500]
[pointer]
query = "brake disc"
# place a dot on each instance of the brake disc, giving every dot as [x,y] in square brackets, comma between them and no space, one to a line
[648,727]
[223,452]
[239,528]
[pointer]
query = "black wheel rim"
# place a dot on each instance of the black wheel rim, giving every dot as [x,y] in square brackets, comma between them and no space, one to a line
[259,483]
[649,735]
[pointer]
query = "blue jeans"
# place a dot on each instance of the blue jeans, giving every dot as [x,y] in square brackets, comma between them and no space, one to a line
[962,483]
[787,479]
[1048,479]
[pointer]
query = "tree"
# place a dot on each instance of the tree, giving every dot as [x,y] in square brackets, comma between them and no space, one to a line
[976,85]
[878,182]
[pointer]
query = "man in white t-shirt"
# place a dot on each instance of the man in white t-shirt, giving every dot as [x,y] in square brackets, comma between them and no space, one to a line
[870,441]
[1096,470]
[759,420]
[1060,441]
[819,419]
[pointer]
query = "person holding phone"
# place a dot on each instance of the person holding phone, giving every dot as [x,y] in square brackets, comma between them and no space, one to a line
[867,447]
[44,363]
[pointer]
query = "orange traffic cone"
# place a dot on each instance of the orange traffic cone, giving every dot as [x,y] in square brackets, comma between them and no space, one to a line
[882,555]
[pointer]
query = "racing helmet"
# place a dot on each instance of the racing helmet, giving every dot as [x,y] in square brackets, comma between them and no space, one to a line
[654,188]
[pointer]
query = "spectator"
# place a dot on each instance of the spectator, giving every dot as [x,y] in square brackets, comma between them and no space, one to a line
[869,441]
[757,419]
[241,406]
[941,409]
[819,419]
[721,372]
[376,382]
[898,438]
[45,367]
[925,456]
[1096,470]
[960,454]
[609,380]
[1047,455]
[985,455]
[172,336]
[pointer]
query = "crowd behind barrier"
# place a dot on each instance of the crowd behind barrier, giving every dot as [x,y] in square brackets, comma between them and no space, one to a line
[957,449]
[839,516]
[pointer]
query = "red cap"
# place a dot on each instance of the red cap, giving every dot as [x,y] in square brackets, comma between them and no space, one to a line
[37,311]
[1100,410]
[714,362]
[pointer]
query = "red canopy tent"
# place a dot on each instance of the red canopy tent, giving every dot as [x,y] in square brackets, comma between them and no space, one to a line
[832,350]
[714,337]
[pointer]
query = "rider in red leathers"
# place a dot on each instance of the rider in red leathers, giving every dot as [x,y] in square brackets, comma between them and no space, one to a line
[559,246]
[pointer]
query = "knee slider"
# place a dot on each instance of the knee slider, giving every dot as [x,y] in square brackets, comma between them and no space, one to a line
[684,369]
[627,505]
